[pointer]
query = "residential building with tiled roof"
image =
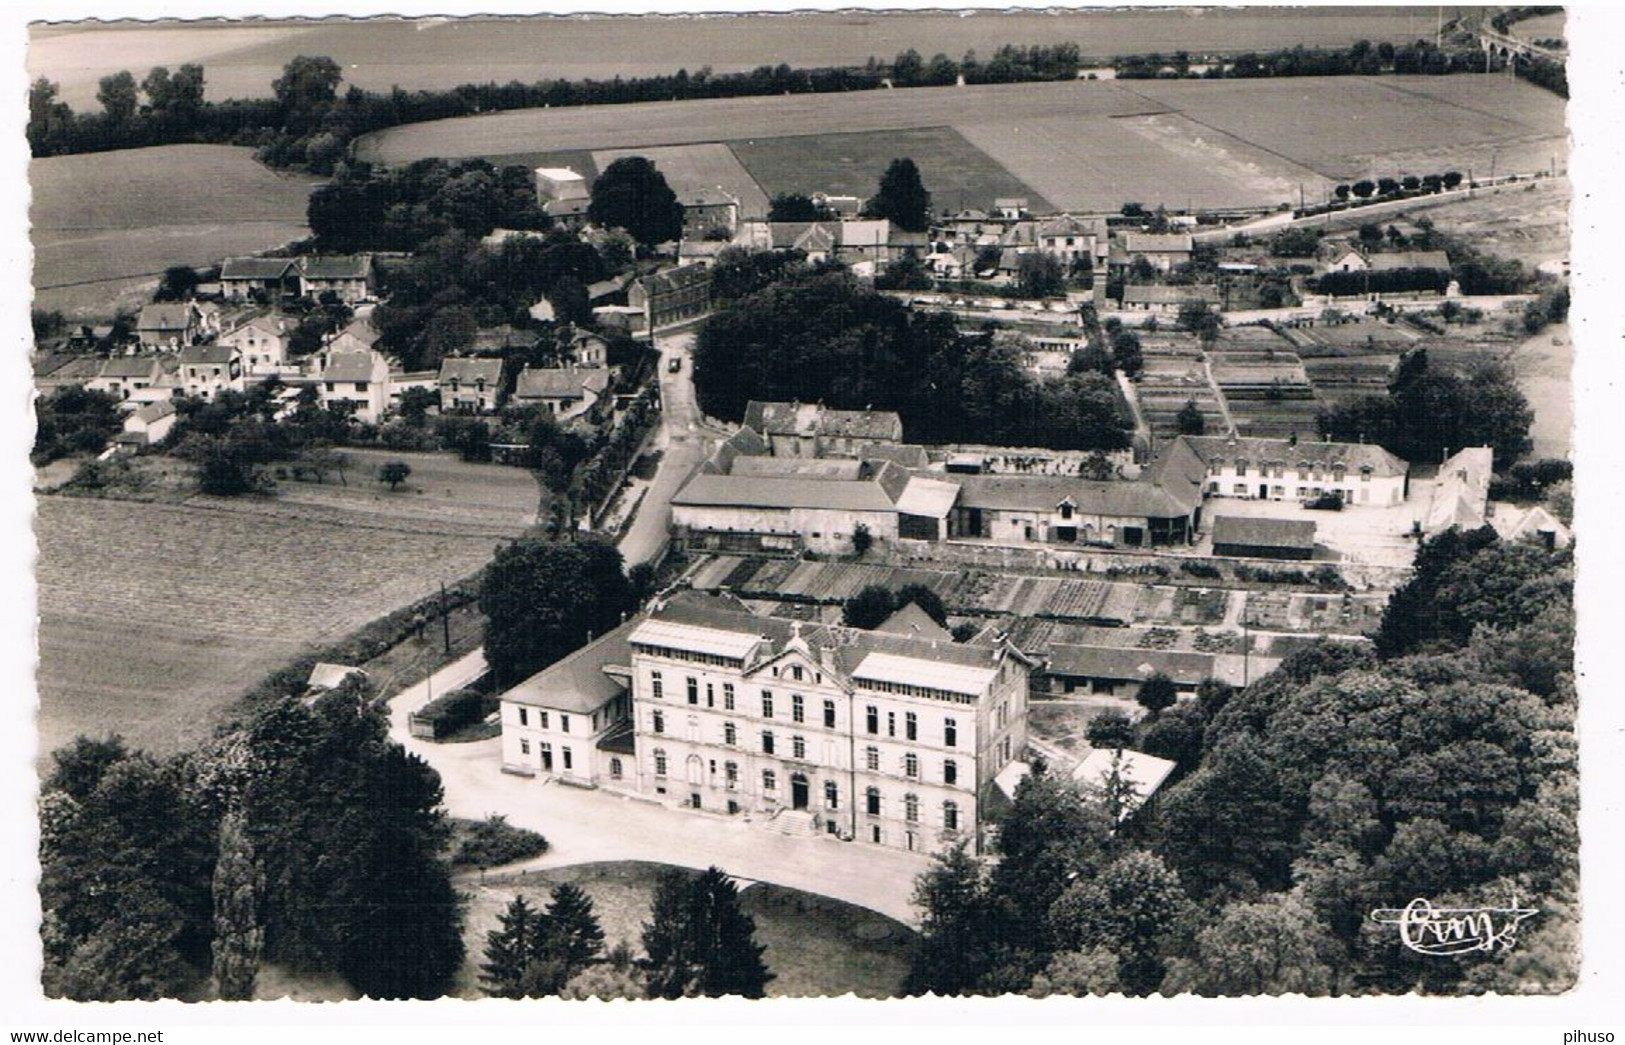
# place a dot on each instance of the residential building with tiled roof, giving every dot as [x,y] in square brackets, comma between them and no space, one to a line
[207,370]
[1143,297]
[671,296]
[564,392]
[268,278]
[168,325]
[813,430]
[262,340]
[563,721]
[123,377]
[349,276]
[358,380]
[1259,468]
[469,385]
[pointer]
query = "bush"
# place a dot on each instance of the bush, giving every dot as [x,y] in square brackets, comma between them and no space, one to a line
[456,710]
[1204,570]
[495,841]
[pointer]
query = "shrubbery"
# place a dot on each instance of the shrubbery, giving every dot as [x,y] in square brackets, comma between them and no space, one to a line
[491,842]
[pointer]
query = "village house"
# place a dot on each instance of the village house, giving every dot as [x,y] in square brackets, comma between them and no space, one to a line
[1167,299]
[469,385]
[169,326]
[1252,537]
[1072,240]
[1118,671]
[707,213]
[267,279]
[572,721]
[262,342]
[1461,494]
[1426,260]
[1285,469]
[839,206]
[884,739]
[586,349]
[149,425]
[1058,509]
[671,296]
[207,370]
[813,430]
[358,336]
[348,276]
[772,504]
[1162,251]
[559,183]
[128,377]
[563,392]
[359,380]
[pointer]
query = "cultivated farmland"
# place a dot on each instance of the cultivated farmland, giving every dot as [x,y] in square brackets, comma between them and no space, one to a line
[439,53]
[104,231]
[1082,145]
[693,170]
[154,617]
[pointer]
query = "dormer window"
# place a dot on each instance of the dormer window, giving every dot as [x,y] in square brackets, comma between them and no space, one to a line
[1066,509]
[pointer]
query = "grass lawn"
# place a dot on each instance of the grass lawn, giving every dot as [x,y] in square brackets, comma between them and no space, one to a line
[816,946]
[154,617]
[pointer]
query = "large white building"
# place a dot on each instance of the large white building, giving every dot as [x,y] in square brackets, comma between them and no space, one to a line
[1360,474]
[879,738]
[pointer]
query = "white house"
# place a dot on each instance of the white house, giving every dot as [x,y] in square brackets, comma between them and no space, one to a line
[1288,470]
[572,721]
[564,392]
[261,341]
[207,370]
[470,385]
[150,424]
[359,379]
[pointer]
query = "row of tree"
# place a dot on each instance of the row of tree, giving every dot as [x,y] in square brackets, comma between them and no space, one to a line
[819,337]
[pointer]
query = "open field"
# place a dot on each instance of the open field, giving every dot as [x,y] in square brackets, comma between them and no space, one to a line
[242,59]
[1081,145]
[105,228]
[816,946]
[958,174]
[1531,225]
[154,617]
[699,169]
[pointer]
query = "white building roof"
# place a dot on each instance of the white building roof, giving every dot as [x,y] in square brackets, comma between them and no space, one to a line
[931,498]
[1145,773]
[1010,778]
[910,671]
[670,635]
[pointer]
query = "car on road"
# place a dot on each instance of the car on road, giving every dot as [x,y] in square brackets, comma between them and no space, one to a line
[675,365]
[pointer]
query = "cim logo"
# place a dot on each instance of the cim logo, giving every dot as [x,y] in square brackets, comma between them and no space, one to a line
[1427,929]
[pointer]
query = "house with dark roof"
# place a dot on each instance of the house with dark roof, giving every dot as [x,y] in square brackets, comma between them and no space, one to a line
[672,296]
[1258,537]
[1119,671]
[1145,297]
[572,721]
[262,340]
[349,276]
[207,370]
[358,380]
[1062,509]
[813,508]
[814,430]
[128,377]
[707,211]
[169,325]
[1259,468]
[1163,251]
[269,279]
[564,392]
[469,385]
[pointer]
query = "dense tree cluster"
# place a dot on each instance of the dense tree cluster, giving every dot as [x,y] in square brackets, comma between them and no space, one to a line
[819,337]
[1361,58]
[1387,281]
[401,209]
[73,420]
[303,837]
[544,599]
[698,942]
[535,953]
[902,197]
[871,606]
[632,194]
[1429,412]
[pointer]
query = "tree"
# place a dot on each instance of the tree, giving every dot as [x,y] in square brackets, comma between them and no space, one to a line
[869,607]
[307,86]
[394,473]
[571,935]
[1127,355]
[632,194]
[81,765]
[794,206]
[1039,275]
[510,949]
[178,283]
[542,600]
[118,96]
[1363,189]
[238,937]
[48,118]
[1133,907]
[862,540]
[902,197]
[699,943]
[1080,974]
[1189,420]
[1157,693]
[1051,836]
[1274,946]
[952,952]
[1110,730]
[415,404]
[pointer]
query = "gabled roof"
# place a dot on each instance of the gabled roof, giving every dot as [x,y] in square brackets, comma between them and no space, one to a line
[908,455]
[1067,225]
[1257,532]
[169,315]
[1410,259]
[580,683]
[929,498]
[359,330]
[810,419]
[680,278]
[1154,243]
[560,383]
[349,366]
[469,371]
[155,411]
[1143,773]
[911,621]
[1149,294]
[1462,495]
[834,469]
[336,266]
[1131,665]
[255,268]
[1044,493]
[719,491]
[216,355]
[331,676]
[128,366]
[1256,449]
[270,322]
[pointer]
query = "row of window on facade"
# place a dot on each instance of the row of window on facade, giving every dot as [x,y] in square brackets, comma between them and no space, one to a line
[798,748]
[873,801]
[1243,490]
[798,710]
[567,758]
[1277,469]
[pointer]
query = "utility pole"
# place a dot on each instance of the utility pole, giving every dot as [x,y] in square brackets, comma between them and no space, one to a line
[445,620]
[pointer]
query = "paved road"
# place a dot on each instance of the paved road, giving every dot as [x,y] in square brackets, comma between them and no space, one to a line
[587,826]
[684,441]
